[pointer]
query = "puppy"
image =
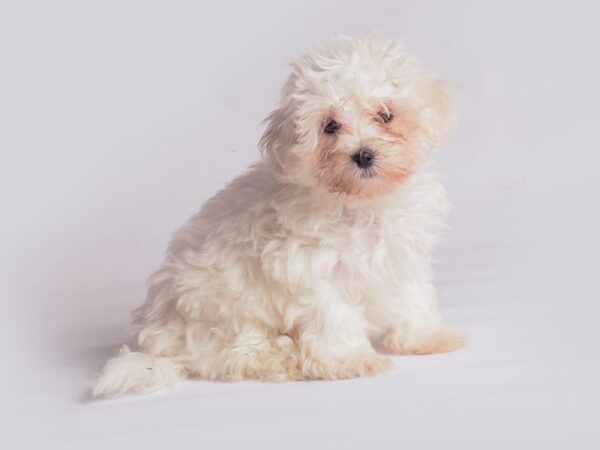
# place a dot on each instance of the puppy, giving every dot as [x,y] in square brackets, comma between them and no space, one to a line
[321,248]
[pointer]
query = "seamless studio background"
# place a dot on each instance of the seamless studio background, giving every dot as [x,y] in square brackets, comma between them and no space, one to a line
[118,119]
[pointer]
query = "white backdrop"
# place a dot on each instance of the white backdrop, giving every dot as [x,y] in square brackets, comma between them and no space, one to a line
[119,118]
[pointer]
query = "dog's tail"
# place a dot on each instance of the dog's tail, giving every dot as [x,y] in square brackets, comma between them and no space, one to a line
[136,372]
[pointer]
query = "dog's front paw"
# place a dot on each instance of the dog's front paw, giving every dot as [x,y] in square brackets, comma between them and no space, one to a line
[353,366]
[440,340]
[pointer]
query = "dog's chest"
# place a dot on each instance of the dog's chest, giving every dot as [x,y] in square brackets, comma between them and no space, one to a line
[362,243]
[366,250]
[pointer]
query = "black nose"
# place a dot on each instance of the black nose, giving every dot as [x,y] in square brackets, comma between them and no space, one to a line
[364,158]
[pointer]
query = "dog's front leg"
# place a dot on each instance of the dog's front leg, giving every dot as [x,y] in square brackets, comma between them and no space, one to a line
[417,324]
[332,339]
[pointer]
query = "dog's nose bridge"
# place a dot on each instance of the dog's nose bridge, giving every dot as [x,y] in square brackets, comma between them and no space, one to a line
[366,130]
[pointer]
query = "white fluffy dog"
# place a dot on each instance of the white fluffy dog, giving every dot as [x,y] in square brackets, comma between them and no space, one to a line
[323,247]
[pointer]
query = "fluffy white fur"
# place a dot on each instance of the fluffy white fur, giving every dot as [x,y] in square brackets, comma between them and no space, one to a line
[294,269]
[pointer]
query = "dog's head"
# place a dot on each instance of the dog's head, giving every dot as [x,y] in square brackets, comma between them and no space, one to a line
[357,117]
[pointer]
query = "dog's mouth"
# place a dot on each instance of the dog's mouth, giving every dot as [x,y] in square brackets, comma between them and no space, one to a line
[362,173]
[370,172]
[359,182]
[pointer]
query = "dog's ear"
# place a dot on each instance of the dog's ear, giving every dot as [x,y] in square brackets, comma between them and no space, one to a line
[436,96]
[278,136]
[439,115]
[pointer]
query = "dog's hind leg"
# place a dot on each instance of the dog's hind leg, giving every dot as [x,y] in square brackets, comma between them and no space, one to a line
[137,372]
[268,359]
[161,361]
[250,353]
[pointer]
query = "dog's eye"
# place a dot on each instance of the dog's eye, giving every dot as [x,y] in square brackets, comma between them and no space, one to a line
[331,127]
[386,116]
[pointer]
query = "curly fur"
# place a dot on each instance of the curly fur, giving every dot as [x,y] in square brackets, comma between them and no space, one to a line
[293,269]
